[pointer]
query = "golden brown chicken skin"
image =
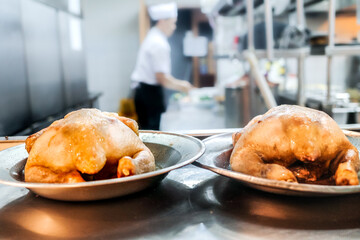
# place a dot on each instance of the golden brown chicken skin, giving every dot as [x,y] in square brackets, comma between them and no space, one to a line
[293,143]
[87,145]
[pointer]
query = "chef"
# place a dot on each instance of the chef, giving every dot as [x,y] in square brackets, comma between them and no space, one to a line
[153,67]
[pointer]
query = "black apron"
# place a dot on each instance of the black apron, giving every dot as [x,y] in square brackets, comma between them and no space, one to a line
[149,104]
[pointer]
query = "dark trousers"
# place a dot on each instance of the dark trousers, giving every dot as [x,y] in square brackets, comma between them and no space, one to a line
[149,104]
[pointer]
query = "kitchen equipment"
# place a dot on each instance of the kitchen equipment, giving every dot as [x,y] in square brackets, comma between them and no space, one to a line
[236,105]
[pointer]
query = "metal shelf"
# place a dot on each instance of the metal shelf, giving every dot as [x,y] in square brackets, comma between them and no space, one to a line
[298,52]
[342,50]
[346,110]
[285,53]
[307,3]
[278,53]
[352,126]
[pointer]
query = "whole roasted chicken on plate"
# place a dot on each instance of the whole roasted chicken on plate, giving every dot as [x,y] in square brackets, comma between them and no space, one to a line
[87,145]
[295,144]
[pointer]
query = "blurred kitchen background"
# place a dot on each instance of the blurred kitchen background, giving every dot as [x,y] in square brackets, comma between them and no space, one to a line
[57,56]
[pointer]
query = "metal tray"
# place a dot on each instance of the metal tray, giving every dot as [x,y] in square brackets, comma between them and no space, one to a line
[170,150]
[217,155]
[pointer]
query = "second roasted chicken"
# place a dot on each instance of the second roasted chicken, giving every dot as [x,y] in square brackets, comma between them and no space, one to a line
[296,144]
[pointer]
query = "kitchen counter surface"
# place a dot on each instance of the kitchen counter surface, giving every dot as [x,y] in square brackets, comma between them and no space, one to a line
[190,203]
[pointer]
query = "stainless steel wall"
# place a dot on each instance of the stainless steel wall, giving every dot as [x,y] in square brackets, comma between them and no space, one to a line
[14,105]
[73,58]
[42,62]
[42,53]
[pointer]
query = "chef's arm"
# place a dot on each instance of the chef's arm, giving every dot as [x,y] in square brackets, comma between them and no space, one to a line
[168,81]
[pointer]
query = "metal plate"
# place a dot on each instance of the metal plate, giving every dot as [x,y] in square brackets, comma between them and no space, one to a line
[170,150]
[217,155]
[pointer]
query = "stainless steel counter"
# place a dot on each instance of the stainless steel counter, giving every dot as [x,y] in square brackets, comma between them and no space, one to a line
[190,203]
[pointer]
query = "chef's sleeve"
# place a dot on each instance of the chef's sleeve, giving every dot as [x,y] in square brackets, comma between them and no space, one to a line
[161,60]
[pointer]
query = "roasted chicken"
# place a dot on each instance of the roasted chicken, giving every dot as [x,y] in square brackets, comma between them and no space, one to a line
[295,144]
[87,145]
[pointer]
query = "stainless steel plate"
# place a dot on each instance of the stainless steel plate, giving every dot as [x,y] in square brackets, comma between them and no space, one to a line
[171,151]
[217,155]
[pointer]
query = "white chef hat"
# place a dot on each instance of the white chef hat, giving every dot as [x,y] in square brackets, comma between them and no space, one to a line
[163,11]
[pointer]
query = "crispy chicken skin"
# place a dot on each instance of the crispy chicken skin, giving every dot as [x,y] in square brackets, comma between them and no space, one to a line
[295,144]
[87,145]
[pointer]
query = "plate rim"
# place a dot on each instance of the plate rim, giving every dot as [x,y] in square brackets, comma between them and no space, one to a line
[270,183]
[32,185]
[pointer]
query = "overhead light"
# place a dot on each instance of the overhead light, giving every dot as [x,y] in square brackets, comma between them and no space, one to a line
[74,6]
[75,33]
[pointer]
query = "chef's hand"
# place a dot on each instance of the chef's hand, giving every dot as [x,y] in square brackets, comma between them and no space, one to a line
[168,81]
[186,86]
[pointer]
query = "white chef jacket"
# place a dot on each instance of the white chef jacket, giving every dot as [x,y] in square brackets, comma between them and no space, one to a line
[153,57]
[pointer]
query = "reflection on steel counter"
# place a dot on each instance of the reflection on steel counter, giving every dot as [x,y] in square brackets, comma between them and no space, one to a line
[244,206]
[191,203]
[31,217]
